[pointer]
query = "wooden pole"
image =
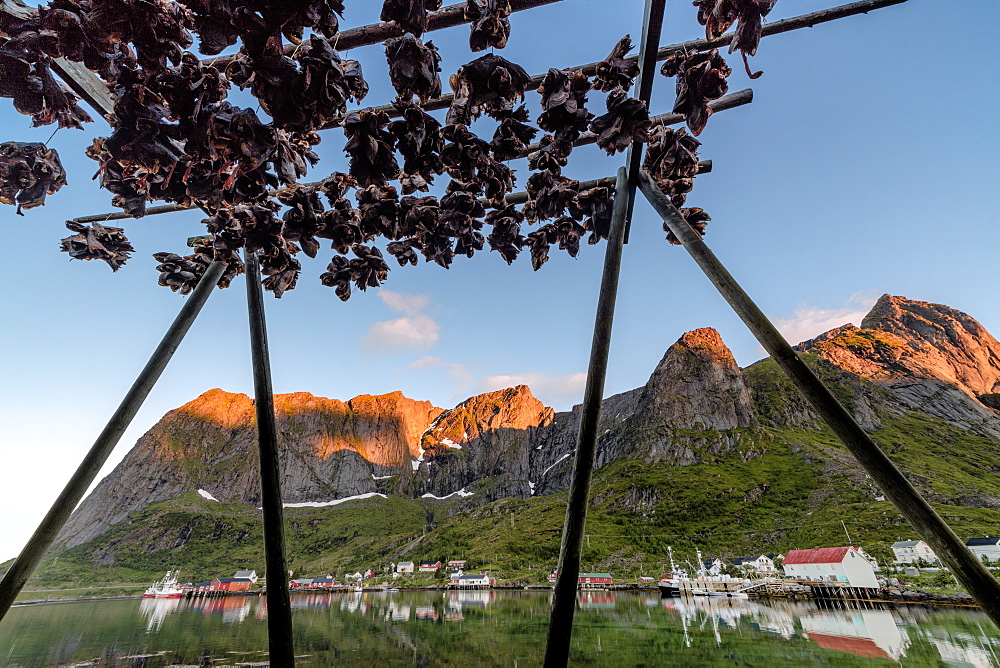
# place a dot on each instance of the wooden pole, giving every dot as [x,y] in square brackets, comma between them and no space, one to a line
[976,579]
[564,604]
[73,492]
[279,608]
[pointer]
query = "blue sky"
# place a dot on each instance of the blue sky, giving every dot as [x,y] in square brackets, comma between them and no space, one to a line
[866,164]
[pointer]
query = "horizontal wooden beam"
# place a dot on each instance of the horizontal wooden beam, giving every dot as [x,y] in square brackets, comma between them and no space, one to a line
[664,52]
[375,33]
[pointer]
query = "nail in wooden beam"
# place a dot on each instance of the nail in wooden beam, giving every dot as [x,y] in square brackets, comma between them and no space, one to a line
[73,492]
[279,608]
[966,567]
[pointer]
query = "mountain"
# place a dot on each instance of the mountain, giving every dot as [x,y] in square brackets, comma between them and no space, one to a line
[705,454]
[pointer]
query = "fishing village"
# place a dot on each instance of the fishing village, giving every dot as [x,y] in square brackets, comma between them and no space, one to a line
[512,402]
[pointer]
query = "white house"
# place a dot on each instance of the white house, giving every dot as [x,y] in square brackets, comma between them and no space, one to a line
[755,562]
[985,547]
[834,564]
[353,576]
[713,566]
[909,551]
[404,567]
[471,580]
[249,575]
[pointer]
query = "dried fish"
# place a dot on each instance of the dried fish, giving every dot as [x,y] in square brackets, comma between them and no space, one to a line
[593,206]
[512,136]
[410,15]
[672,160]
[367,270]
[617,71]
[490,84]
[414,68]
[28,81]
[701,78]
[627,121]
[97,242]
[695,217]
[490,25]
[718,15]
[548,196]
[419,140]
[380,215]
[28,172]
[506,236]
[370,146]
[461,215]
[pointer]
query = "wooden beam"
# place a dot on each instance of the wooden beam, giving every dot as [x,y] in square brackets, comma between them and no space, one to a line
[664,52]
[375,33]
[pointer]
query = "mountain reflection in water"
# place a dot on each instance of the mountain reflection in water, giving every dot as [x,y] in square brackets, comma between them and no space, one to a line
[486,627]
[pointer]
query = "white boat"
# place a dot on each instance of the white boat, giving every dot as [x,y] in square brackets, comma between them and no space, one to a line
[168,587]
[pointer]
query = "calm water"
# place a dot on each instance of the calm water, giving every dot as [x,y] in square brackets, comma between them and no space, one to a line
[487,628]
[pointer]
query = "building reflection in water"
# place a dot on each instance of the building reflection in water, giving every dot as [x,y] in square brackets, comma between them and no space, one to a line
[155,610]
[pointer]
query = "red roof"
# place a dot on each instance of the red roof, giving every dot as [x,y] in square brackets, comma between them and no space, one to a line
[865,647]
[819,555]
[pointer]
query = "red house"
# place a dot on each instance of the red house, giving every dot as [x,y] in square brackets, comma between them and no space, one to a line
[231,584]
[594,580]
[323,582]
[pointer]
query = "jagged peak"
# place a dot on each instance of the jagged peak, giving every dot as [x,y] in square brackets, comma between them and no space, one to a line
[217,405]
[704,344]
[903,337]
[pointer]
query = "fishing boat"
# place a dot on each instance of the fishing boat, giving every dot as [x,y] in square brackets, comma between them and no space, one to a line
[168,587]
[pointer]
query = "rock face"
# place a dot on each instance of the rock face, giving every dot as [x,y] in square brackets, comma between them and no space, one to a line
[697,404]
[901,338]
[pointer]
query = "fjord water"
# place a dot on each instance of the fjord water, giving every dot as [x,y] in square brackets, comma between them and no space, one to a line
[487,628]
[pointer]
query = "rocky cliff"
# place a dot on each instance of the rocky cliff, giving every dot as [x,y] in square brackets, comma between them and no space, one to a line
[907,358]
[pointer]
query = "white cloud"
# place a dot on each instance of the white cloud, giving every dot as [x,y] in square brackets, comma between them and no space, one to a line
[404,303]
[414,331]
[809,321]
[417,332]
[557,391]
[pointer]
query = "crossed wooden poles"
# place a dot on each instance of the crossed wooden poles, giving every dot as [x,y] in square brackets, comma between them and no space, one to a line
[972,574]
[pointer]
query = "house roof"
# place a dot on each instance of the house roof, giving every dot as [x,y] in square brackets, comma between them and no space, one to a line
[404,563]
[232,579]
[751,558]
[772,557]
[473,577]
[303,581]
[323,580]
[906,543]
[865,647]
[206,583]
[244,574]
[595,575]
[819,555]
[982,541]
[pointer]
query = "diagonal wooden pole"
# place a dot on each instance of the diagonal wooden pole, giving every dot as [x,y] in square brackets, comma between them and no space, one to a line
[928,524]
[279,608]
[73,492]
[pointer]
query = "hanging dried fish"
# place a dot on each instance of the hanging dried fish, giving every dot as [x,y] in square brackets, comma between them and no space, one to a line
[550,156]
[695,217]
[410,15]
[593,207]
[463,154]
[158,29]
[617,71]
[28,81]
[414,68]
[718,15]
[367,270]
[627,121]
[181,274]
[378,207]
[564,96]
[404,251]
[304,218]
[672,160]
[461,214]
[490,84]
[97,242]
[497,181]
[28,172]
[417,215]
[506,236]
[490,25]
[370,146]
[322,16]
[419,140]
[538,244]
[701,78]
[512,136]
[281,270]
[548,196]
